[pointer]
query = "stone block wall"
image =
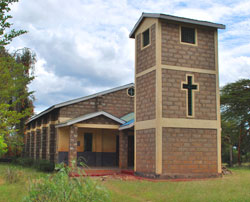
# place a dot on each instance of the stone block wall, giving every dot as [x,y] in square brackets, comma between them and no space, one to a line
[189,151]
[145,151]
[146,96]
[174,98]
[32,144]
[38,143]
[177,54]
[27,145]
[116,103]
[146,57]
[52,145]
[73,144]
[44,140]
[123,149]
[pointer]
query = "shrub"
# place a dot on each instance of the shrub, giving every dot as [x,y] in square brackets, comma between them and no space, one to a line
[61,187]
[12,175]
[26,162]
[44,165]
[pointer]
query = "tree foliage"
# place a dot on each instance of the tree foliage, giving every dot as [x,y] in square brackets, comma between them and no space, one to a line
[235,105]
[15,75]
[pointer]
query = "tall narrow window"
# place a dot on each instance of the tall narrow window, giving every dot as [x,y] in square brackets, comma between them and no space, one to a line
[145,38]
[88,142]
[188,35]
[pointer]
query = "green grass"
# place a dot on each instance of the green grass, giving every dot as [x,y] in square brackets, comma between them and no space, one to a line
[16,191]
[234,187]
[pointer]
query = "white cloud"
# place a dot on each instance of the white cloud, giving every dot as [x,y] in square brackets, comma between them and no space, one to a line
[83,46]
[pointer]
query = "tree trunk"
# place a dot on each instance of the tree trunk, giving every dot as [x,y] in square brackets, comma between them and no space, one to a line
[231,155]
[239,146]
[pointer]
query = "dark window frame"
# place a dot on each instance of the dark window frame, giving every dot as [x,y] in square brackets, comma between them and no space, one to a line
[88,147]
[188,35]
[129,91]
[147,38]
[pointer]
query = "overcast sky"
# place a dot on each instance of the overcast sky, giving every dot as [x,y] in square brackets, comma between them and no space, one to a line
[83,47]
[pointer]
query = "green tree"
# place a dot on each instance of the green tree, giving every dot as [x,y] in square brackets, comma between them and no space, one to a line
[15,75]
[235,105]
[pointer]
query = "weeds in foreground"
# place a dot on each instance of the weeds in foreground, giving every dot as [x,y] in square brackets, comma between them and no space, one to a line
[61,187]
[12,175]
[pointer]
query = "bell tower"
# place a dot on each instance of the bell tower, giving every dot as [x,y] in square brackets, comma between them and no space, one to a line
[177,106]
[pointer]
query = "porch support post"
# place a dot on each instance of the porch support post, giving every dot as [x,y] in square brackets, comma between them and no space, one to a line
[73,144]
[123,149]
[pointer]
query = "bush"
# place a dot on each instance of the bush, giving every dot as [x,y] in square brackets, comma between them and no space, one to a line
[12,175]
[61,187]
[44,165]
[26,162]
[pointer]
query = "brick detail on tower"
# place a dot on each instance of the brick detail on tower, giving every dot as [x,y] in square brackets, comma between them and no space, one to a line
[73,144]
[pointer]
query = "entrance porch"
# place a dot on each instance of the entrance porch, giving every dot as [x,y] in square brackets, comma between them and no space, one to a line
[96,145]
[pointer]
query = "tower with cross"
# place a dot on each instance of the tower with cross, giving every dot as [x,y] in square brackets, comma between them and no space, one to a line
[177,106]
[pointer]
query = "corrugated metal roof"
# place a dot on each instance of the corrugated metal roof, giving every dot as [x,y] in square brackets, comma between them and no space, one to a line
[176,19]
[128,117]
[127,125]
[79,100]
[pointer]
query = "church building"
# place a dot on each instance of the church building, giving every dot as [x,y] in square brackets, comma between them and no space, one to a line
[165,125]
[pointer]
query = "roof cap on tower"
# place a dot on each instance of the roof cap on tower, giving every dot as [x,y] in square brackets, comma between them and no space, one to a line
[174,18]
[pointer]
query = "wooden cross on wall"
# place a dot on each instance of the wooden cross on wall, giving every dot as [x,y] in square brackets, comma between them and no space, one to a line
[190,87]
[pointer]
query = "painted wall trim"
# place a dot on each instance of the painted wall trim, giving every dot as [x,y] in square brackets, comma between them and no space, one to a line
[218,102]
[189,69]
[145,124]
[158,107]
[103,126]
[190,123]
[146,71]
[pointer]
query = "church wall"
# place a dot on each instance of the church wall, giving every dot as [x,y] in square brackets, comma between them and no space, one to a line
[145,151]
[146,96]
[117,103]
[78,109]
[176,54]
[174,98]
[146,57]
[190,151]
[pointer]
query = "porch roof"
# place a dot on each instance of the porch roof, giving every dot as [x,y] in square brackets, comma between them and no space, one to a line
[89,116]
[127,125]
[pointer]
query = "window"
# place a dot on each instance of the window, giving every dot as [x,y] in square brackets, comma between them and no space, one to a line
[145,38]
[88,142]
[188,35]
[131,91]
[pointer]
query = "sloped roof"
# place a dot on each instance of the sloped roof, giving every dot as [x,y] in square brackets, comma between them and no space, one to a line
[128,117]
[79,100]
[89,116]
[174,18]
[127,125]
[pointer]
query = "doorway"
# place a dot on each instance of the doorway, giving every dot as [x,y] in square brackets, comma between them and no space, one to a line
[130,151]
